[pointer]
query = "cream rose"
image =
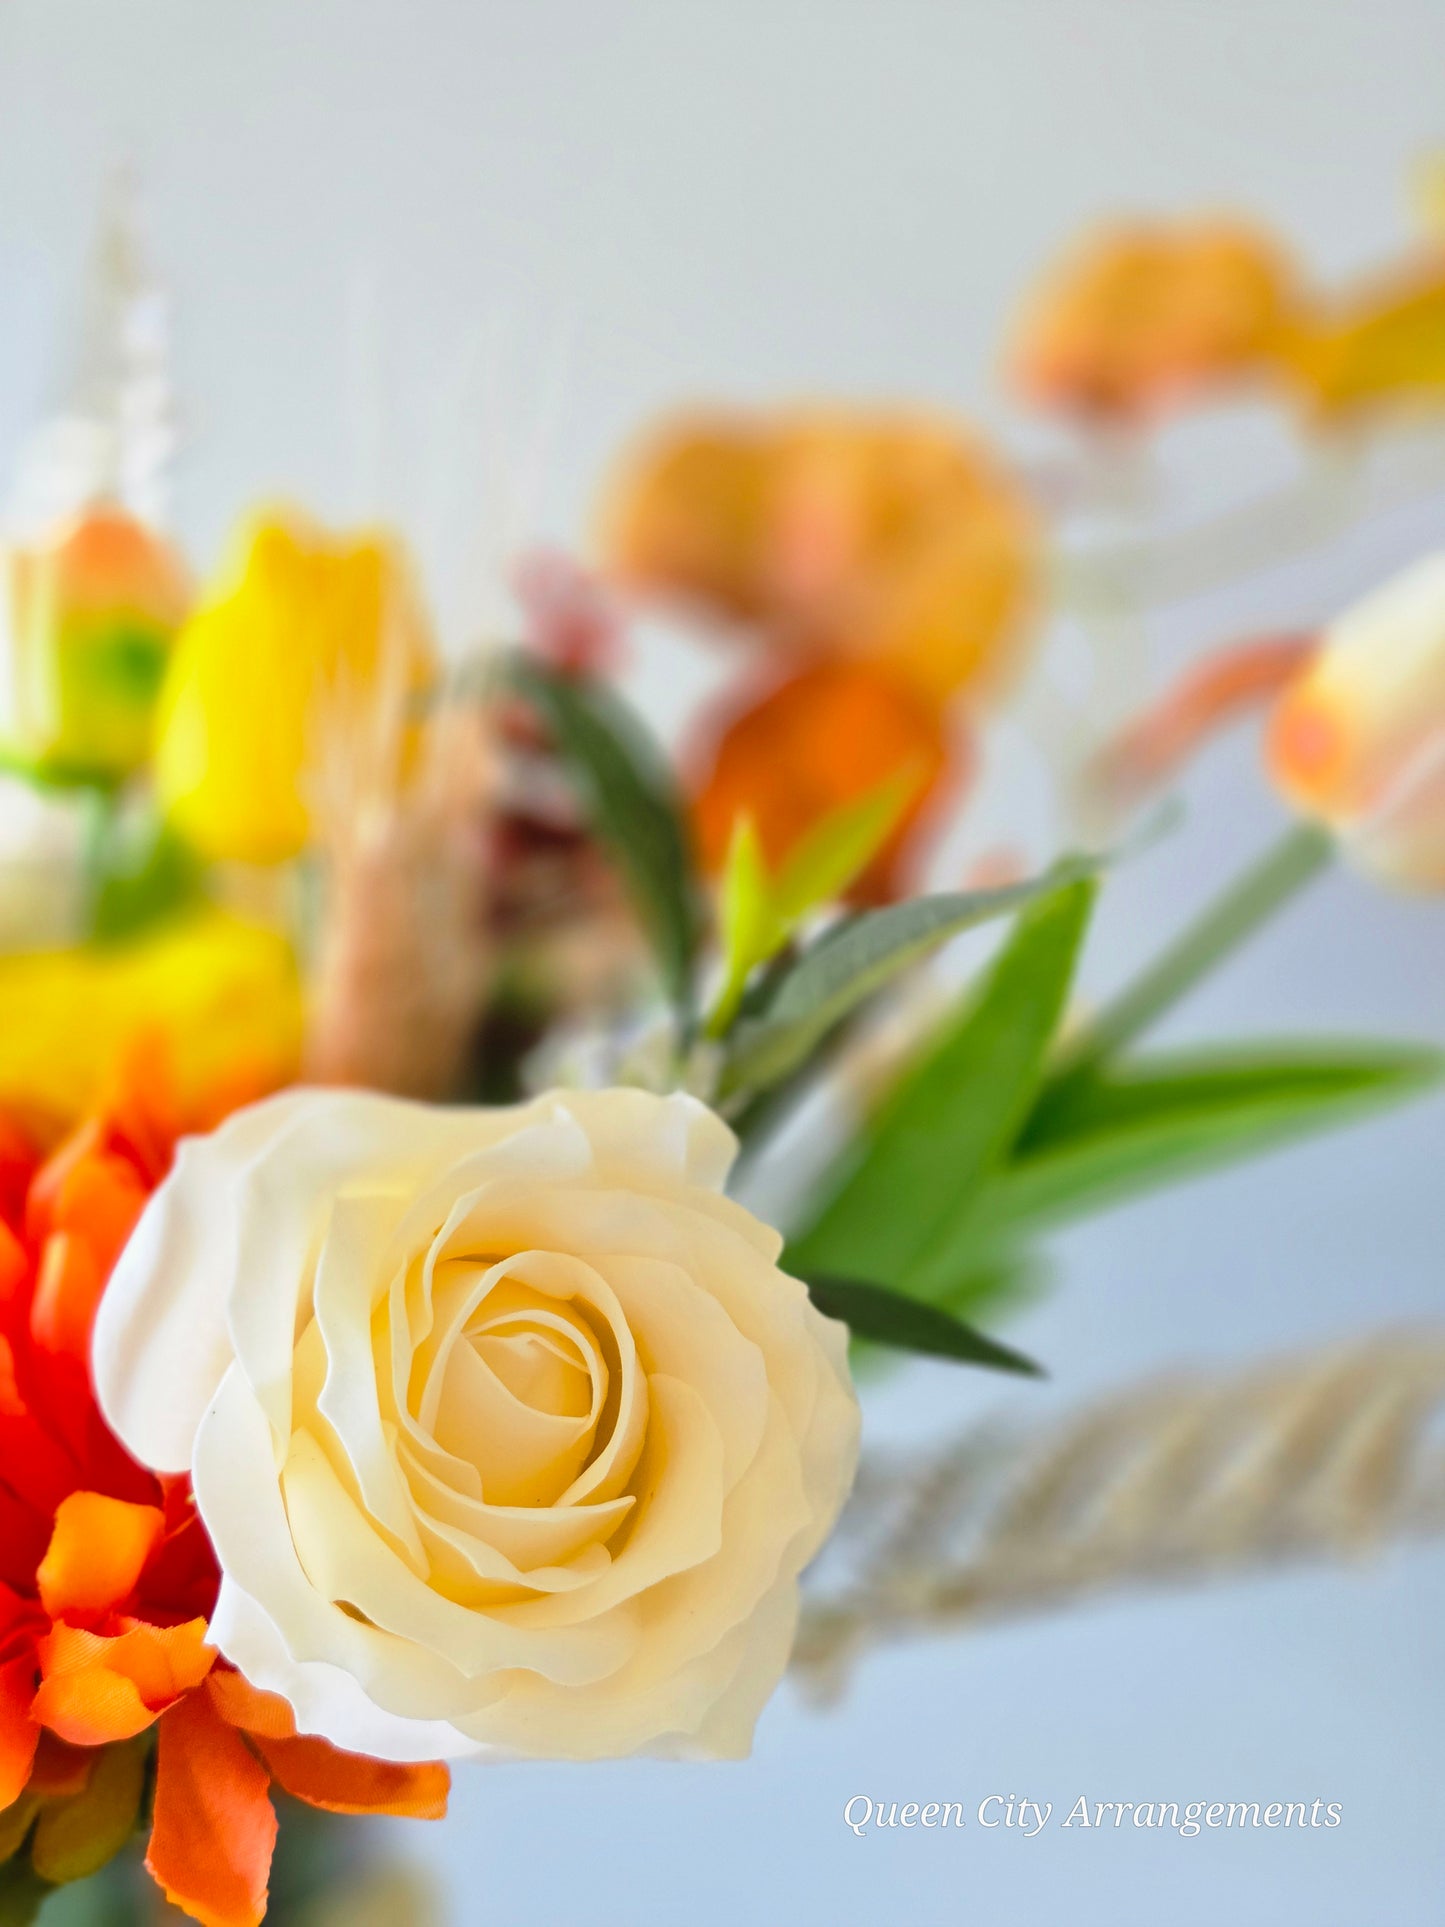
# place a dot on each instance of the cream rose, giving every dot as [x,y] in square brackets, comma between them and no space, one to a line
[507,1428]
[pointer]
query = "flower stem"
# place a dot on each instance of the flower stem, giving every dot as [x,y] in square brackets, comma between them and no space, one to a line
[1247,903]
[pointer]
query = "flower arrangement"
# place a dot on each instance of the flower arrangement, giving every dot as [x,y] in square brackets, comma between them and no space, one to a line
[387,1375]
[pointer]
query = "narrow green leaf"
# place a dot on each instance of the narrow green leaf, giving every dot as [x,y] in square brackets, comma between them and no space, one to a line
[1165,1119]
[956,1109]
[836,851]
[633,805]
[857,957]
[885,1317]
[758,913]
[748,922]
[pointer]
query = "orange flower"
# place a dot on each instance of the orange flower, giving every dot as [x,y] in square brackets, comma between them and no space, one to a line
[107,1582]
[799,750]
[883,535]
[1141,315]
[687,513]
[219,1752]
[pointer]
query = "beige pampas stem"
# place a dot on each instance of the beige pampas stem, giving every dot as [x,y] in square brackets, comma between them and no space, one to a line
[401,807]
[1182,1478]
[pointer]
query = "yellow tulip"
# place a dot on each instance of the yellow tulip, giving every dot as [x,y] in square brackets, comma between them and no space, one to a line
[219,996]
[1358,739]
[307,638]
[86,622]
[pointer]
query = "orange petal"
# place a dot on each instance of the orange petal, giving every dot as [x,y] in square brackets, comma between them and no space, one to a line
[239,1703]
[1161,740]
[97,1552]
[323,1776]
[49,1181]
[215,1829]
[89,1706]
[19,1735]
[101,1197]
[687,514]
[1310,748]
[66,1295]
[96,1688]
[14,1267]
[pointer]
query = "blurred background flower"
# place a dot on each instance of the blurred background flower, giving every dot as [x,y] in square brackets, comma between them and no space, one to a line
[1358,738]
[307,645]
[1139,317]
[86,625]
[881,568]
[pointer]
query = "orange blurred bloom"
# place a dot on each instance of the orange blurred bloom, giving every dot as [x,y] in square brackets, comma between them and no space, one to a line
[1139,316]
[802,748]
[107,1580]
[884,535]
[687,513]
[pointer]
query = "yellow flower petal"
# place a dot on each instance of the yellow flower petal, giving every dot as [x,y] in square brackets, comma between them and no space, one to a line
[220,995]
[306,636]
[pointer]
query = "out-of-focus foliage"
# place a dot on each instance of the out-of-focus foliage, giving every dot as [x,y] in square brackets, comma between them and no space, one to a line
[854,958]
[760,909]
[633,807]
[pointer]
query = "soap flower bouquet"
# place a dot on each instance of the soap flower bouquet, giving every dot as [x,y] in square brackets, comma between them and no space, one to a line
[391,1373]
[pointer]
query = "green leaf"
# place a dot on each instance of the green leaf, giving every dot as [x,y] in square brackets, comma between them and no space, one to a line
[1162,1119]
[633,806]
[857,957]
[748,922]
[956,1109]
[885,1317]
[757,913]
[838,848]
[77,1837]
[142,874]
[22,1894]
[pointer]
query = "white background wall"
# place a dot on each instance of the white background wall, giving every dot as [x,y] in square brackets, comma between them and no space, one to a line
[746,198]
